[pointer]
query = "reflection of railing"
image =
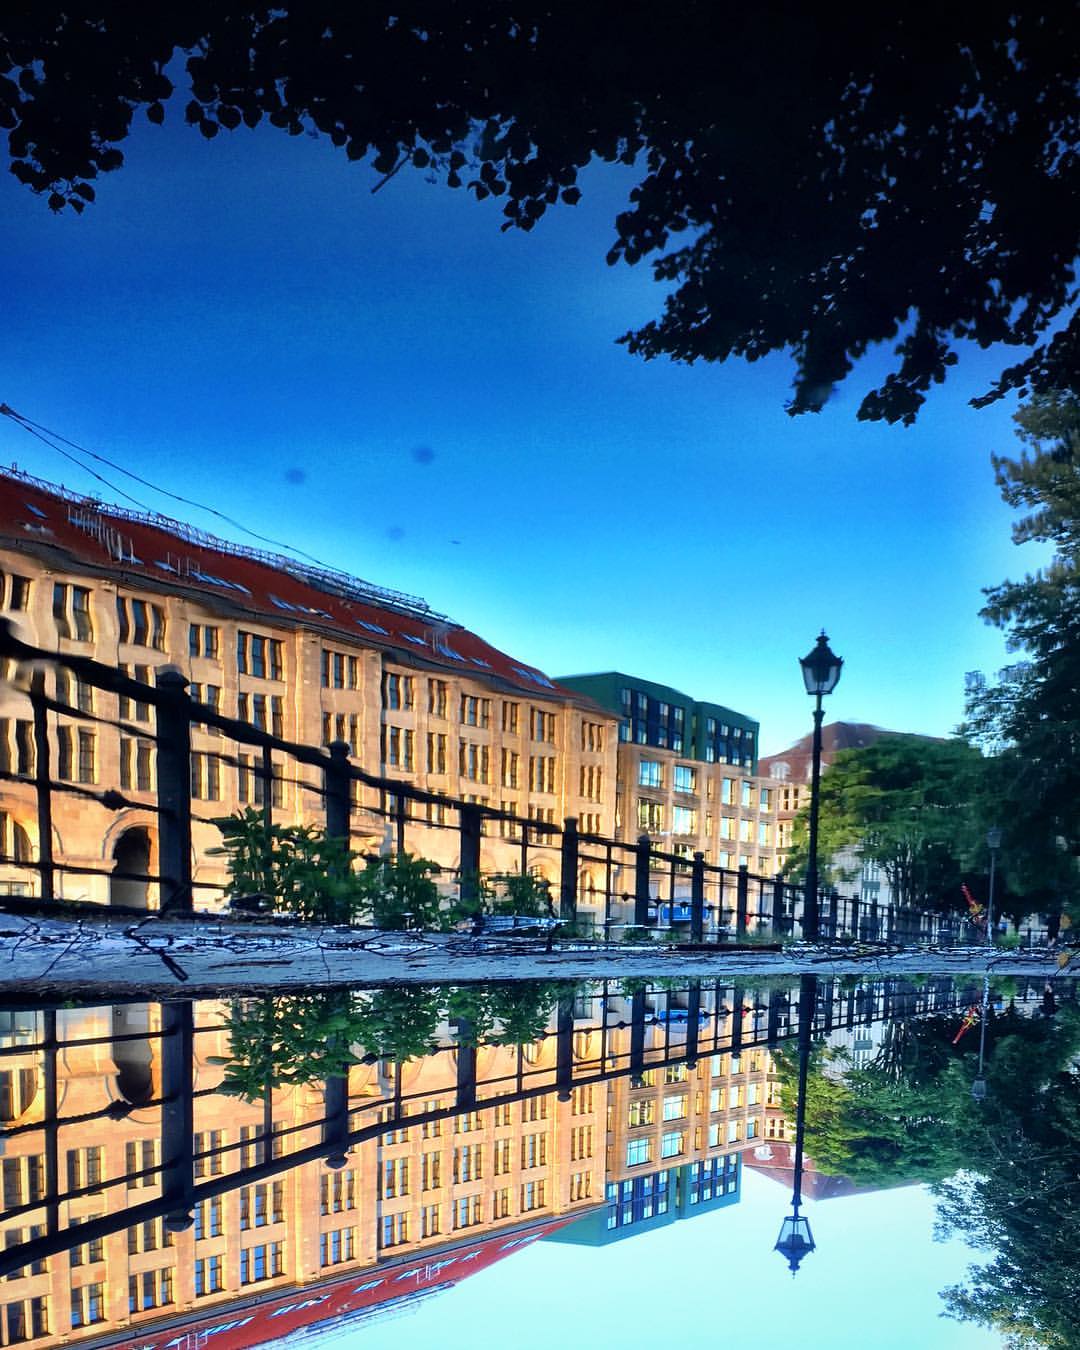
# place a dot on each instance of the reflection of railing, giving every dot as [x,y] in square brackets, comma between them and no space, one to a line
[631,1031]
[712,902]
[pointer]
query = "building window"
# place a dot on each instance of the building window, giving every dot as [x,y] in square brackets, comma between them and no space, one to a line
[683,820]
[17,592]
[137,764]
[208,1153]
[429,1221]
[650,774]
[336,1246]
[580,1185]
[533,1196]
[262,1204]
[394,1230]
[399,745]
[84,1168]
[76,759]
[474,761]
[581,1142]
[137,711]
[510,767]
[592,780]
[685,778]
[436,752]
[87,1305]
[672,1144]
[640,1112]
[141,623]
[468,1211]
[151,1289]
[534,1150]
[208,1219]
[205,776]
[468,1163]
[262,1262]
[511,714]
[592,736]
[650,816]
[430,1171]
[542,725]
[398,692]
[542,773]
[727,791]
[475,712]
[437,696]
[72,612]
[258,656]
[337,1191]
[203,640]
[394,1178]
[338,670]
[638,1152]
[208,1276]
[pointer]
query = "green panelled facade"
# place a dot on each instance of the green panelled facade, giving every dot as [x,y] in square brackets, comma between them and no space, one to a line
[657,715]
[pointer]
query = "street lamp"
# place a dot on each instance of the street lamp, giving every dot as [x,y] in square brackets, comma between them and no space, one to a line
[821,674]
[796,1240]
[993,843]
[978,1088]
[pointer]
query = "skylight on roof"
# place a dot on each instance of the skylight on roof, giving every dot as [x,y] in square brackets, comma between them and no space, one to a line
[534,676]
[285,604]
[449,651]
[165,566]
[35,510]
[372,627]
[416,641]
[479,661]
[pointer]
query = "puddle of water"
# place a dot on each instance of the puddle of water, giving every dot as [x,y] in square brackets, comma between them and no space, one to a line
[235,1172]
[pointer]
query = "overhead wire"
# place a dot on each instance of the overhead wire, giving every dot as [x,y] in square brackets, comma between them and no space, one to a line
[43,432]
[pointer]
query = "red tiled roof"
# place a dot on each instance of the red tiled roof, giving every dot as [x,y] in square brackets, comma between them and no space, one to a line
[277,589]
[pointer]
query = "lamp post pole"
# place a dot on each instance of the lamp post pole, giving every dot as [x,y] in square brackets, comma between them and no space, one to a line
[993,843]
[810,899]
[821,674]
[796,1240]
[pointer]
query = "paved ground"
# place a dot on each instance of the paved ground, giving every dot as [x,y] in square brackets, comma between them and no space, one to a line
[161,957]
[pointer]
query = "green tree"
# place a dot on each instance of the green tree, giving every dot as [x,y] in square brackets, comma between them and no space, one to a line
[1030,715]
[908,803]
[813,180]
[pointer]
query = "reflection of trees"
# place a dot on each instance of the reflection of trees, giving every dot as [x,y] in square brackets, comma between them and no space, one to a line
[289,1041]
[1004,1170]
[1021,1200]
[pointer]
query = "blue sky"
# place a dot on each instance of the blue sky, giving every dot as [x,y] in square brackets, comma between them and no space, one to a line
[874,1280]
[391,383]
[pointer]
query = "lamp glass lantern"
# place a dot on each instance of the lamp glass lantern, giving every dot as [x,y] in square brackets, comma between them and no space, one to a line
[795,1240]
[821,668]
[993,839]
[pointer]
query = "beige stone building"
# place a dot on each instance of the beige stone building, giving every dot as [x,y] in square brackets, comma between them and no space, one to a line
[306,653]
[420,1185]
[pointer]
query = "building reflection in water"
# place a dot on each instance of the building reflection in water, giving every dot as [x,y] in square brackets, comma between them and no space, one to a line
[201,1214]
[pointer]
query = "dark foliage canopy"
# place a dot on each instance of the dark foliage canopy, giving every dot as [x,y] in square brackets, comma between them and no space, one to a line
[815,179]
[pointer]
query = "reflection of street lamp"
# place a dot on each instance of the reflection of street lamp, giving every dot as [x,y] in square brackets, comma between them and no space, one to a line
[978,1088]
[796,1240]
[993,843]
[821,674]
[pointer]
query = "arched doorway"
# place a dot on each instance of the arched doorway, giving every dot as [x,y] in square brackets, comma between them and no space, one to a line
[131,856]
[132,1053]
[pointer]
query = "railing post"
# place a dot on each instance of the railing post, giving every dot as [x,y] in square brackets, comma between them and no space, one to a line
[834,911]
[177,1114]
[267,773]
[173,720]
[855,917]
[568,875]
[470,824]
[335,1127]
[693,1021]
[336,789]
[697,898]
[742,891]
[42,774]
[641,880]
[564,1047]
[637,1037]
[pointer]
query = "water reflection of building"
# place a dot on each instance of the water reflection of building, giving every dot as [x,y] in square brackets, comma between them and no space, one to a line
[438,1178]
